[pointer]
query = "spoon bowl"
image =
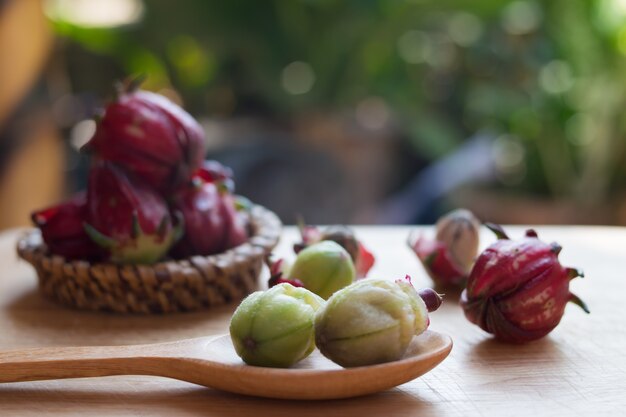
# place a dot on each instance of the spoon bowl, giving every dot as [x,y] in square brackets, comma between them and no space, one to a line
[212,362]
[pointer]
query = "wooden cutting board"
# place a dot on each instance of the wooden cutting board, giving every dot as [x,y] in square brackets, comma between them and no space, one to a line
[580,369]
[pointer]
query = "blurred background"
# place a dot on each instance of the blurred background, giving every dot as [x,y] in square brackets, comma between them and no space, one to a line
[361,111]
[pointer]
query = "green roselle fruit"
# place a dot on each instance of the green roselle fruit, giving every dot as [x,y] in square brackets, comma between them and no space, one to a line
[275,328]
[323,268]
[371,321]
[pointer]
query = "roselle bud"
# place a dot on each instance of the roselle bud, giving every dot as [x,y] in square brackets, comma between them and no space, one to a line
[371,321]
[212,223]
[126,217]
[459,230]
[431,298]
[449,257]
[63,232]
[275,327]
[151,137]
[362,258]
[518,289]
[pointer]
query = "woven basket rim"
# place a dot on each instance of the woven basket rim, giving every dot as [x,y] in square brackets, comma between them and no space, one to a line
[266,228]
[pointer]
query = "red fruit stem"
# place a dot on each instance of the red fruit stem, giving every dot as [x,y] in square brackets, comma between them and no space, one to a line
[574,272]
[129,85]
[580,303]
[133,84]
[497,230]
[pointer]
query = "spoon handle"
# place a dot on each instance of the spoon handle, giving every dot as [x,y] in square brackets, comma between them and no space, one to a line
[163,359]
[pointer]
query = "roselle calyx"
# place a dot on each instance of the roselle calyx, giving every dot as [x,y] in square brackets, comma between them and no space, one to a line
[518,289]
[448,258]
[149,136]
[63,232]
[212,222]
[362,258]
[278,273]
[127,218]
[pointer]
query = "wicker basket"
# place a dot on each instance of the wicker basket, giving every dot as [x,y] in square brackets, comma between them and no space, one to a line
[196,283]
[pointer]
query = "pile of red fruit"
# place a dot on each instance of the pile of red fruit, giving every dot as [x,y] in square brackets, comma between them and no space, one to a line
[516,290]
[150,194]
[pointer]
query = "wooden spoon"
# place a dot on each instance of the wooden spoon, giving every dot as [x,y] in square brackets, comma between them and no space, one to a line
[212,361]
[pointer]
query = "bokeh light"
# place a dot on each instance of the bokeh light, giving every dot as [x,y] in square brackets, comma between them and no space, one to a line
[298,78]
[95,13]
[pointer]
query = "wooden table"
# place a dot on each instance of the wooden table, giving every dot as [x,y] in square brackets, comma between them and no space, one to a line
[580,369]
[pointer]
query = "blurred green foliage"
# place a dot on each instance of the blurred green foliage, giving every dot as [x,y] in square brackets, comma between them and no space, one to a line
[547,77]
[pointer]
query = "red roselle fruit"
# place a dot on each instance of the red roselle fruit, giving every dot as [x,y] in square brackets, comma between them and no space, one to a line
[212,222]
[363,259]
[127,218]
[63,232]
[236,223]
[518,289]
[151,137]
[449,257]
